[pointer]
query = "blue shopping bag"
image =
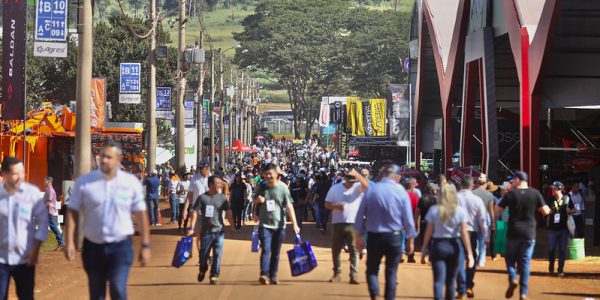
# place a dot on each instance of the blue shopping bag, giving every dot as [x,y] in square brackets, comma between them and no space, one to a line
[183,251]
[302,258]
[255,240]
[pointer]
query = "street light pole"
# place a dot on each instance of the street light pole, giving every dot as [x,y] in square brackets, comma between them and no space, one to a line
[213,89]
[151,110]
[83,137]
[221,111]
[230,113]
[200,94]
[179,108]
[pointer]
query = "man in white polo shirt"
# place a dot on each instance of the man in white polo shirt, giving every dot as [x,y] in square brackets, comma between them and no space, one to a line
[107,198]
[23,229]
[344,200]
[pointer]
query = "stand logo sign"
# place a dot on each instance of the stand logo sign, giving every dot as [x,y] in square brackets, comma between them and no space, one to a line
[51,28]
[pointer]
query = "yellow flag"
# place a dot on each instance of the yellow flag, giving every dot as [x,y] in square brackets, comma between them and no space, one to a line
[378,112]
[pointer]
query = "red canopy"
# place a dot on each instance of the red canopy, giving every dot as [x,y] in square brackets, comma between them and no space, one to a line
[239,146]
[259,137]
[354,153]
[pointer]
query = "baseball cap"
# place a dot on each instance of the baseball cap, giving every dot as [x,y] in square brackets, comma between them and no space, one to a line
[482,178]
[349,178]
[557,185]
[505,185]
[521,176]
[154,172]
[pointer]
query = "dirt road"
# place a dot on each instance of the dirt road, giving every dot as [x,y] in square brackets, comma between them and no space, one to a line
[58,279]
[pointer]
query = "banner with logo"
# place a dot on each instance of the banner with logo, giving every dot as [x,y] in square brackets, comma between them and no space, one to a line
[378,116]
[324,114]
[368,120]
[355,116]
[98,102]
[398,102]
[13,59]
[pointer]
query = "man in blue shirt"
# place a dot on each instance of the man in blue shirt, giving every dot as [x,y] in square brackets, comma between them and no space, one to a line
[384,213]
[152,184]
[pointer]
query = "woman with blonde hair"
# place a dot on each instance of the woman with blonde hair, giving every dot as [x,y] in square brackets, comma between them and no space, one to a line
[446,227]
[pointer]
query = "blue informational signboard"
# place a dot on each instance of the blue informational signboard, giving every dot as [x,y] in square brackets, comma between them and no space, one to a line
[130,82]
[163,99]
[51,20]
[188,106]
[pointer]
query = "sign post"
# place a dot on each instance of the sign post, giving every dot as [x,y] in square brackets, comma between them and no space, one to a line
[51,28]
[130,84]
[163,103]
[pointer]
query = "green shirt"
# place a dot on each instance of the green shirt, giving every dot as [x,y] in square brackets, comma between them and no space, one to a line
[211,208]
[272,213]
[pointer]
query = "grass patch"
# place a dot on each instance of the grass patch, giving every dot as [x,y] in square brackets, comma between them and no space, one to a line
[50,244]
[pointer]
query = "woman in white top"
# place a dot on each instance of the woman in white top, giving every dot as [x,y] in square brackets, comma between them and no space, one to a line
[446,227]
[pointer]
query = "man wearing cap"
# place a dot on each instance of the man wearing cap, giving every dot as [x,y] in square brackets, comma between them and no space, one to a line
[488,201]
[522,202]
[198,186]
[299,192]
[182,190]
[476,224]
[152,184]
[344,199]
[384,213]
[558,233]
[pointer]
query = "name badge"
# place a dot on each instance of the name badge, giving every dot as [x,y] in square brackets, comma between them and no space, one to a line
[577,206]
[209,212]
[270,205]
[556,218]
[24,211]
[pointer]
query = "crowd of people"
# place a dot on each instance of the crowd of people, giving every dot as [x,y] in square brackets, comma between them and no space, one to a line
[374,212]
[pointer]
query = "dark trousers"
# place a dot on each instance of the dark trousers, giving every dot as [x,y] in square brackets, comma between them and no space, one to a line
[211,241]
[238,211]
[54,227]
[466,275]
[299,211]
[270,241]
[378,246]
[107,262]
[557,239]
[180,220]
[24,277]
[579,226]
[447,255]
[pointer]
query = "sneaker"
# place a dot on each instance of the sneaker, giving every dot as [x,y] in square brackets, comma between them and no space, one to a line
[353,280]
[264,280]
[274,280]
[60,247]
[463,297]
[214,280]
[201,276]
[411,259]
[157,224]
[523,297]
[335,278]
[561,274]
[470,293]
[346,250]
[511,289]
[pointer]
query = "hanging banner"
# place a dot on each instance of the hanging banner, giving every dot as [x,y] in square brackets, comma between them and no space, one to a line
[324,115]
[368,118]
[355,116]
[378,115]
[13,59]
[398,102]
[98,102]
[163,103]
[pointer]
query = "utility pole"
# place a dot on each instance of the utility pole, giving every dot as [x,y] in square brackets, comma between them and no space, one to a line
[240,109]
[200,125]
[230,113]
[83,137]
[151,108]
[213,89]
[221,111]
[179,109]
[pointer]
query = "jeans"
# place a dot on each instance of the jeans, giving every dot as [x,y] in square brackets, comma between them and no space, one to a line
[322,215]
[447,256]
[107,262]
[557,238]
[152,210]
[180,220]
[481,251]
[519,252]
[54,227]
[214,241]
[466,275]
[24,277]
[344,232]
[174,201]
[379,245]
[248,211]
[270,241]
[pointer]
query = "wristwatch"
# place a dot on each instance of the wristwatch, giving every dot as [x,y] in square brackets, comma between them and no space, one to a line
[146,245]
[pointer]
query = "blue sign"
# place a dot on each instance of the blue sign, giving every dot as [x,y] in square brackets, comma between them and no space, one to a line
[130,82]
[163,99]
[51,20]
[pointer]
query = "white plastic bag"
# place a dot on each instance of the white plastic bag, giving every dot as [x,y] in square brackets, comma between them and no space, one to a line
[571,225]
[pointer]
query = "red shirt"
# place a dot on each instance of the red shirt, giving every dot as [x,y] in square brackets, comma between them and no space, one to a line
[414,199]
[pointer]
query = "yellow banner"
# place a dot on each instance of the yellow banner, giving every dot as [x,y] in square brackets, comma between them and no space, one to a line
[355,116]
[378,112]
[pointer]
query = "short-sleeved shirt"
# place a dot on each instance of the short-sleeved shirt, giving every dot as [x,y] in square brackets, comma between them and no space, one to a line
[182,188]
[50,198]
[522,204]
[272,213]
[198,186]
[351,199]
[557,220]
[425,204]
[486,196]
[450,228]
[106,205]
[152,184]
[211,210]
